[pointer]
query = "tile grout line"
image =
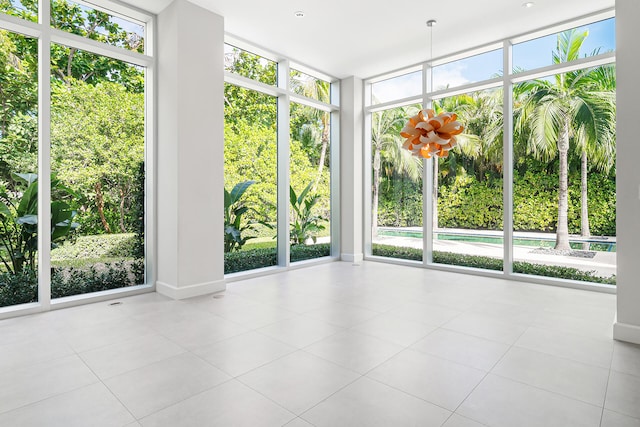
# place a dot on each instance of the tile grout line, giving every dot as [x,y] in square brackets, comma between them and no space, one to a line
[101,381]
[489,371]
[606,390]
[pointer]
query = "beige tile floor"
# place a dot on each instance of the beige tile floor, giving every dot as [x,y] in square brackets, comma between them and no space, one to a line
[330,345]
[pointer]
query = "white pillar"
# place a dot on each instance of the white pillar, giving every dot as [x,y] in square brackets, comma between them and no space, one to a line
[351,157]
[190,151]
[627,326]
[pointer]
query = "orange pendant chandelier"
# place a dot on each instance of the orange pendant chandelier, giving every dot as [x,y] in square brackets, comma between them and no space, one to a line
[428,134]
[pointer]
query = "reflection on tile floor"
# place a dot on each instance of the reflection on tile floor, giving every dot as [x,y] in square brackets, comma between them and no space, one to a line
[330,345]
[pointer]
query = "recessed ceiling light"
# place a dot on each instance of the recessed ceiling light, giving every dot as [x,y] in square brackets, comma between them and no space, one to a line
[299,14]
[528,4]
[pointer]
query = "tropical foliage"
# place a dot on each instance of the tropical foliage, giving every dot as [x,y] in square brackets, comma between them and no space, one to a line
[19,222]
[551,189]
[305,223]
[570,109]
[97,143]
[250,152]
[235,227]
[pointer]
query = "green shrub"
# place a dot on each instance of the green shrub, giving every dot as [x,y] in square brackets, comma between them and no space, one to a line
[250,259]
[97,247]
[400,203]
[471,204]
[18,288]
[489,263]
[474,261]
[465,202]
[302,252]
[23,288]
[389,251]
[136,217]
[561,272]
[76,281]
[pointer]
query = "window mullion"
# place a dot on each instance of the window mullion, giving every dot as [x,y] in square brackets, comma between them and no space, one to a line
[44,157]
[507,162]
[283,118]
[427,177]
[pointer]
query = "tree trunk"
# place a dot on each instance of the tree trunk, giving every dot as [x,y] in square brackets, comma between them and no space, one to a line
[100,205]
[562,231]
[123,197]
[434,193]
[376,192]
[584,198]
[323,150]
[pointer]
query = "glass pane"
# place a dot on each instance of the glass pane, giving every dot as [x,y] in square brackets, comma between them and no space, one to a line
[309,86]
[467,187]
[397,88]
[18,169]
[396,220]
[97,160]
[250,65]
[70,65]
[310,176]
[564,189]
[97,25]
[468,70]
[250,179]
[25,9]
[591,39]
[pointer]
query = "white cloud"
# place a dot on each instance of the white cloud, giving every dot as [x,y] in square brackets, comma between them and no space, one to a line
[451,75]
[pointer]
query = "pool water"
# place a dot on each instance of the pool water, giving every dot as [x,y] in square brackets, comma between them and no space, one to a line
[544,243]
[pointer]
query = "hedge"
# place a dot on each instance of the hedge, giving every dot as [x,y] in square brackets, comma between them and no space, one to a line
[250,259]
[471,204]
[97,246]
[489,263]
[23,288]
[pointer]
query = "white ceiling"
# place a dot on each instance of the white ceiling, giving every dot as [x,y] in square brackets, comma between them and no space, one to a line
[365,38]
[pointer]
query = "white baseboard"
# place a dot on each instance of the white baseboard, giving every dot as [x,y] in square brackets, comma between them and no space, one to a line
[626,332]
[352,257]
[191,290]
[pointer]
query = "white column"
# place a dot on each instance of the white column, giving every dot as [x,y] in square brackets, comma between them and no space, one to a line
[190,150]
[351,157]
[627,326]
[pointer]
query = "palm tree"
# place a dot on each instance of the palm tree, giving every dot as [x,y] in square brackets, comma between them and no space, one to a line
[387,149]
[321,90]
[481,141]
[559,110]
[598,145]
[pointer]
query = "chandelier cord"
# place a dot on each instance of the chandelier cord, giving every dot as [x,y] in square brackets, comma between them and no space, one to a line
[430,24]
[426,133]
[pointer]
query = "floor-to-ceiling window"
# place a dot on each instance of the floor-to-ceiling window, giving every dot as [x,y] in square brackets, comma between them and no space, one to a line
[250,165]
[467,185]
[73,146]
[564,149]
[18,168]
[529,189]
[279,155]
[396,177]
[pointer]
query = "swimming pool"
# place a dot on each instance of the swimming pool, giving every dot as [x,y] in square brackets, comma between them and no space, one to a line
[592,245]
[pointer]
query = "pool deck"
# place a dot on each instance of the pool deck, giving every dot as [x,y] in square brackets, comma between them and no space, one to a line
[603,263]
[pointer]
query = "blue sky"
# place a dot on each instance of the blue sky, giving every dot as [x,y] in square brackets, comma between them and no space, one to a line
[527,55]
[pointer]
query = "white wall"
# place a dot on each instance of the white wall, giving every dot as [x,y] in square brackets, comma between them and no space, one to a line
[627,326]
[190,179]
[351,149]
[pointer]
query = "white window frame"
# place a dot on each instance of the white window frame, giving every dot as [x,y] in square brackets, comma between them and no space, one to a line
[46,36]
[506,82]
[285,96]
